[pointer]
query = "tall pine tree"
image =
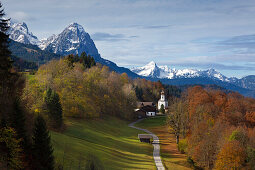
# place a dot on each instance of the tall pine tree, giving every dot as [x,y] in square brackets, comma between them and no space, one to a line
[18,124]
[5,54]
[54,108]
[42,149]
[8,79]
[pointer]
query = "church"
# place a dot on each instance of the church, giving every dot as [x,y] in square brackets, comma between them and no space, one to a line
[162,101]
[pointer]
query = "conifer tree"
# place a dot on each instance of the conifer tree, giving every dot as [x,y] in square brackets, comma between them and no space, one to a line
[42,149]
[5,54]
[162,109]
[8,79]
[54,107]
[87,61]
[19,124]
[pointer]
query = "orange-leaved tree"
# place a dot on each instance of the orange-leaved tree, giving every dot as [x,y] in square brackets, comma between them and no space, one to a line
[231,156]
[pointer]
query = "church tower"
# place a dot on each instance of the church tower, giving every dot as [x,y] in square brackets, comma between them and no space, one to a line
[162,101]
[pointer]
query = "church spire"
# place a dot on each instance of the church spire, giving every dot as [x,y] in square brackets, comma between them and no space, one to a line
[162,95]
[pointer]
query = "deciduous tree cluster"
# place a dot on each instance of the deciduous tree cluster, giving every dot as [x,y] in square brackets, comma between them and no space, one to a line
[218,127]
[84,92]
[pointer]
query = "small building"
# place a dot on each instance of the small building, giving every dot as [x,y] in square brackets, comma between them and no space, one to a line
[162,101]
[150,110]
[145,138]
[145,109]
[140,113]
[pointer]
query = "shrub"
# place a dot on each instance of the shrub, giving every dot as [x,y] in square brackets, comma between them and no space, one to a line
[251,157]
[182,146]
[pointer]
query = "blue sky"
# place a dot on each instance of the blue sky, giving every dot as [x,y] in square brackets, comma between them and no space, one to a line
[198,34]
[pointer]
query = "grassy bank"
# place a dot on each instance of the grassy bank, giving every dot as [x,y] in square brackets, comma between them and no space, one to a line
[110,139]
[172,159]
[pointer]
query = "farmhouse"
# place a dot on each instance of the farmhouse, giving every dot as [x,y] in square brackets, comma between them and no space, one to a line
[145,109]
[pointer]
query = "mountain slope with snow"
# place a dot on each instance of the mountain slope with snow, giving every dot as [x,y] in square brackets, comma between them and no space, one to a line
[72,40]
[19,32]
[153,71]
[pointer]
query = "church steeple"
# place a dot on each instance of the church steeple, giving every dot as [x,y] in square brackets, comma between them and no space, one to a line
[162,101]
[162,95]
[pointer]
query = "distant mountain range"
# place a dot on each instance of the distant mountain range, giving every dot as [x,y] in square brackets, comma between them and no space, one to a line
[152,71]
[74,40]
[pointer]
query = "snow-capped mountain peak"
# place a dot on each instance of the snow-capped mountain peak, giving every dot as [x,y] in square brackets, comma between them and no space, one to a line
[72,40]
[149,70]
[19,32]
[154,71]
[212,73]
[75,26]
[152,63]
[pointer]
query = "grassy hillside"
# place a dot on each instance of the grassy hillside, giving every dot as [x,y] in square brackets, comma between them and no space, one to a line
[171,157]
[110,139]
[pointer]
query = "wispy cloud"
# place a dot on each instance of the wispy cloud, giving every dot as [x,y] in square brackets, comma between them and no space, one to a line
[102,36]
[21,16]
[150,26]
[242,41]
[156,26]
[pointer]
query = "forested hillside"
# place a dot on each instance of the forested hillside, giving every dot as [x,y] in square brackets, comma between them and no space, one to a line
[217,130]
[30,52]
[22,65]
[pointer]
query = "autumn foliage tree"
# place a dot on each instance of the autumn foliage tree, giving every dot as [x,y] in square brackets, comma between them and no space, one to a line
[231,156]
[220,128]
[10,149]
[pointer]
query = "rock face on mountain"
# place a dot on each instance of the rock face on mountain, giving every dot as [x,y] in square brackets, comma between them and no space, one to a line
[72,40]
[245,82]
[19,32]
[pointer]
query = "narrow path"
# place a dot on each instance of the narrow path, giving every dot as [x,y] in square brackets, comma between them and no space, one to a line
[155,143]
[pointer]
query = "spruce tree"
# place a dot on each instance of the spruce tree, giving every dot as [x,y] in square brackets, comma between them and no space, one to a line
[18,124]
[162,109]
[42,149]
[5,54]
[8,79]
[54,108]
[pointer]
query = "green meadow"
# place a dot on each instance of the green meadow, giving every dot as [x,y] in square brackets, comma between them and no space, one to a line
[109,139]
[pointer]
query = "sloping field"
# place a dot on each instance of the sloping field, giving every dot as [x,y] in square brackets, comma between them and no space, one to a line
[110,139]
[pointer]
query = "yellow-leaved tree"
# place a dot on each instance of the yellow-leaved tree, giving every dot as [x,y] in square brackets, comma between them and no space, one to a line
[231,156]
